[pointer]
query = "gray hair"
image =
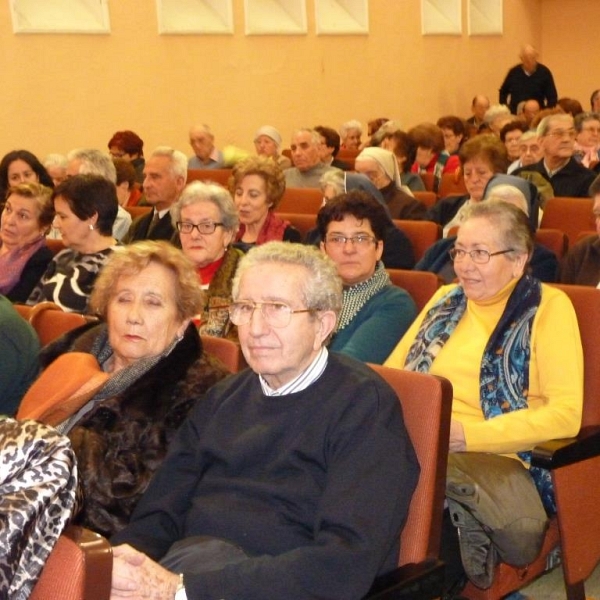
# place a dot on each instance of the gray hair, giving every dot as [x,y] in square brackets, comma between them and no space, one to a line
[546,122]
[314,135]
[178,160]
[511,194]
[200,191]
[56,160]
[528,135]
[94,162]
[322,286]
[582,118]
[334,178]
[509,221]
[494,111]
[348,125]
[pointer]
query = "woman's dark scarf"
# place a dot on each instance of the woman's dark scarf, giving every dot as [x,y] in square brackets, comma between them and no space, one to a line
[504,374]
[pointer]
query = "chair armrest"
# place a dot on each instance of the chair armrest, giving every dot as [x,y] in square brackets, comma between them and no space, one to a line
[560,453]
[423,580]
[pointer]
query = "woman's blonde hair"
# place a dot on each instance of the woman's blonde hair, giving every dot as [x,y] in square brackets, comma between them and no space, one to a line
[132,259]
[264,167]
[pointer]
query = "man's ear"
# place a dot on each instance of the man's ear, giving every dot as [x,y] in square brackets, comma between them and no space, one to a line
[327,320]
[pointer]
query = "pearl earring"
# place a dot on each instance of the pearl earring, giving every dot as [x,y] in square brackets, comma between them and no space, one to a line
[91,227]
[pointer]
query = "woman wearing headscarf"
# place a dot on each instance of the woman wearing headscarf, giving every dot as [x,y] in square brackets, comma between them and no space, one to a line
[381,167]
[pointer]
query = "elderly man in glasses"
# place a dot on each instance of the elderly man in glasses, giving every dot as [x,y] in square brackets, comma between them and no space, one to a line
[292,479]
[558,165]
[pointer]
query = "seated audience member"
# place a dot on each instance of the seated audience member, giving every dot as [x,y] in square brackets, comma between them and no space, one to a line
[121,388]
[206,156]
[454,132]
[430,158]
[257,185]
[267,141]
[86,207]
[19,348]
[350,134]
[21,166]
[207,221]
[530,151]
[279,513]
[405,152]
[165,175]
[587,139]
[397,250]
[570,106]
[595,101]
[306,156]
[558,166]
[510,135]
[479,105]
[480,158]
[581,264]
[329,148]
[531,109]
[127,192]
[496,117]
[373,126]
[130,147]
[93,162]
[381,167]
[56,167]
[543,264]
[375,314]
[24,254]
[466,333]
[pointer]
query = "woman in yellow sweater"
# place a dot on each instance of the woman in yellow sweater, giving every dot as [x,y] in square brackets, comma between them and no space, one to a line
[509,344]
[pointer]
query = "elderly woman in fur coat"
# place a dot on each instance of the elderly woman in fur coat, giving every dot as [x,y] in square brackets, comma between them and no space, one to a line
[120,389]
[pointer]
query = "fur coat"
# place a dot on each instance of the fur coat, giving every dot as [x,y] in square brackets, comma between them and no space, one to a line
[122,441]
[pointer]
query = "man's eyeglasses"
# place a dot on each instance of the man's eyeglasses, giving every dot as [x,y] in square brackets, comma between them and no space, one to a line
[478,256]
[205,227]
[362,240]
[276,314]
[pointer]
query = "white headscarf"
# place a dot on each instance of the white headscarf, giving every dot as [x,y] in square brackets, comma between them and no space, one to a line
[386,160]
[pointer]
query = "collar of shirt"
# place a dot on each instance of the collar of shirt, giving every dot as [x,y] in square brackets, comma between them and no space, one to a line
[302,381]
[553,172]
[161,213]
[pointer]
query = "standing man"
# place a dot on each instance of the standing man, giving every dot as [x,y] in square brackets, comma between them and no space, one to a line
[292,479]
[165,174]
[529,80]
[206,156]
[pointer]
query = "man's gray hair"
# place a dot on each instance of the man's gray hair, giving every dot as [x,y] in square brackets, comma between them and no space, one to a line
[322,286]
[56,160]
[200,191]
[348,125]
[94,162]
[178,160]
[335,178]
[495,111]
[546,122]
[315,136]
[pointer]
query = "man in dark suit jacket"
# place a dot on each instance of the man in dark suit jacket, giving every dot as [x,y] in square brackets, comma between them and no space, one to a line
[165,174]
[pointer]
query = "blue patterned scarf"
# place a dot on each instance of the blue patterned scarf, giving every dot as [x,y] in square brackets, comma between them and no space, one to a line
[504,374]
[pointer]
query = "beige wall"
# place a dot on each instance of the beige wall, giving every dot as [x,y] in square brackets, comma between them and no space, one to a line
[65,91]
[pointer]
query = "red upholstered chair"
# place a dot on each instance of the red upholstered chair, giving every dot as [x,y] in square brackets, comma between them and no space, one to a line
[137,211]
[78,568]
[50,321]
[422,234]
[571,215]
[426,404]
[427,198]
[421,285]
[553,239]
[227,351]
[428,181]
[575,465]
[302,222]
[55,245]
[220,176]
[301,201]
[452,184]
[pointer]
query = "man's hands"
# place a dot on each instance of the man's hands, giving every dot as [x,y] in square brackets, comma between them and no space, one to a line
[136,576]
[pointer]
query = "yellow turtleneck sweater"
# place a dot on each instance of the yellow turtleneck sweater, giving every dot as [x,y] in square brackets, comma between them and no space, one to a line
[555,396]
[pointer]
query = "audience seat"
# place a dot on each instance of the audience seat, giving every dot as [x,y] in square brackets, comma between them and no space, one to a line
[421,285]
[427,198]
[78,568]
[303,223]
[50,321]
[428,181]
[225,350]
[571,215]
[422,234]
[301,201]
[426,404]
[452,184]
[583,234]
[220,176]
[575,464]
[554,240]
[55,245]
